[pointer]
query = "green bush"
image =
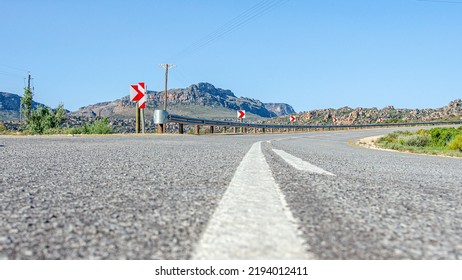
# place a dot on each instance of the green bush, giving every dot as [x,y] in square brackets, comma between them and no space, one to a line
[422,132]
[394,136]
[415,140]
[440,137]
[455,144]
[43,120]
[3,130]
[101,126]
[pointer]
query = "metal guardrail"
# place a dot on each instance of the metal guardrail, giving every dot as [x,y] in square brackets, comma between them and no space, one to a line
[197,122]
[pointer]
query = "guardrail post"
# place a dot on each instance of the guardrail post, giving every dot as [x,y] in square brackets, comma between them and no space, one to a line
[224,129]
[160,128]
[160,118]
[196,129]
[211,129]
[234,130]
[264,130]
[180,128]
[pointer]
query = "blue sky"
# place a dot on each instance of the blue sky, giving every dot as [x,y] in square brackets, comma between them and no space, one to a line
[310,54]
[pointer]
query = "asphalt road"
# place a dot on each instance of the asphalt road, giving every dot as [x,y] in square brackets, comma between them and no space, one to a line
[166,197]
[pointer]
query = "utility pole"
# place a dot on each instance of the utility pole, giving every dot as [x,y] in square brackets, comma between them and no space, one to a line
[160,127]
[26,100]
[28,82]
[166,66]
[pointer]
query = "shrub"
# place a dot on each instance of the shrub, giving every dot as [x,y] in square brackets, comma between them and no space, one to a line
[416,140]
[43,120]
[455,144]
[2,128]
[422,132]
[99,127]
[440,137]
[394,136]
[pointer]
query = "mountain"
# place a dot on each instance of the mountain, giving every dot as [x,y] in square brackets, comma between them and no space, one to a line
[280,109]
[199,100]
[389,114]
[9,106]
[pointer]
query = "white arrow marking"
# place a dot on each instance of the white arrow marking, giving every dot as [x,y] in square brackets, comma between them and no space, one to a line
[301,164]
[252,220]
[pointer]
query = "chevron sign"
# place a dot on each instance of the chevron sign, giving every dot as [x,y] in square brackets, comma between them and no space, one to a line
[138,94]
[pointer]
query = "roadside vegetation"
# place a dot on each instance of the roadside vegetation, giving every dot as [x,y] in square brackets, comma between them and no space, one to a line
[101,126]
[3,130]
[435,141]
[43,120]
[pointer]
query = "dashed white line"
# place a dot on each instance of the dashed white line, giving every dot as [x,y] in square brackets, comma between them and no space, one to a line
[252,220]
[301,164]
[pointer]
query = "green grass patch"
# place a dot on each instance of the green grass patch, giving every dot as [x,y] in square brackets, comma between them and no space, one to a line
[101,126]
[435,141]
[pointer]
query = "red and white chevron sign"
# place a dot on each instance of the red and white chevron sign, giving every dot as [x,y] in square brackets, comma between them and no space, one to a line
[241,114]
[293,118]
[335,120]
[142,102]
[138,94]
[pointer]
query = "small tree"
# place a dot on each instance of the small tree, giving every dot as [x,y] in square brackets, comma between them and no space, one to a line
[59,115]
[43,119]
[26,104]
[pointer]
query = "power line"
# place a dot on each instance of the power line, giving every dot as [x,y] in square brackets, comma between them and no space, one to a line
[10,74]
[441,1]
[14,68]
[248,15]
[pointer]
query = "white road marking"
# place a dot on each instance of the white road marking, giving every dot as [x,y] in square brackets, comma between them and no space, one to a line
[301,164]
[252,220]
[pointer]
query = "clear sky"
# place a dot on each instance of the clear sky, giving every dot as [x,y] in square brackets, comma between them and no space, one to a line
[311,54]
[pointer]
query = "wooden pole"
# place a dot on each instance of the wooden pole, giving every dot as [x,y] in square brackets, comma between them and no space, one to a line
[142,121]
[137,126]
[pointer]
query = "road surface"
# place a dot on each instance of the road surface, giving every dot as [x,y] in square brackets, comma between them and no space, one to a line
[281,196]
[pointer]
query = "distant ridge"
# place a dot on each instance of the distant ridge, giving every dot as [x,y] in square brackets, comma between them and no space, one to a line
[203,100]
[389,114]
[198,100]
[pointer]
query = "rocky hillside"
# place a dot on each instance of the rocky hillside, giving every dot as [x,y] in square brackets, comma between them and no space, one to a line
[9,106]
[200,100]
[280,109]
[389,114]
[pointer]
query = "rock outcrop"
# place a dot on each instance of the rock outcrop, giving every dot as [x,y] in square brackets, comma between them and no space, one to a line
[203,96]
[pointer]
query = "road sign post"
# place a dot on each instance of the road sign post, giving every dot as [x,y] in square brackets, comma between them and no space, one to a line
[293,119]
[241,117]
[137,125]
[138,95]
